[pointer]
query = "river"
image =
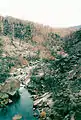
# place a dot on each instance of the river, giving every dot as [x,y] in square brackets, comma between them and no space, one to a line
[23,106]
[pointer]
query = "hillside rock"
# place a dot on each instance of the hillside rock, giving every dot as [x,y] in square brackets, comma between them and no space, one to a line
[8,89]
[10,86]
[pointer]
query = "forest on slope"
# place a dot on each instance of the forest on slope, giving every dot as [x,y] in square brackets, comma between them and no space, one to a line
[24,37]
[62,77]
[59,58]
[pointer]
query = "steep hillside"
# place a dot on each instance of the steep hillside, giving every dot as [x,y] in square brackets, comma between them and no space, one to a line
[22,41]
[62,78]
[56,57]
[30,36]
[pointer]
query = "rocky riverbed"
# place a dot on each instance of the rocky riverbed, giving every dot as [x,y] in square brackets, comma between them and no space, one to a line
[20,78]
[43,101]
[22,106]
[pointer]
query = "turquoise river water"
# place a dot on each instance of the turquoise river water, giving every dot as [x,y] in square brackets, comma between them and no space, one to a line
[23,106]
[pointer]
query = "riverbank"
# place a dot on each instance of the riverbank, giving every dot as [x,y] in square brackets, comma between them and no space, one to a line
[42,101]
[44,104]
[22,106]
[24,102]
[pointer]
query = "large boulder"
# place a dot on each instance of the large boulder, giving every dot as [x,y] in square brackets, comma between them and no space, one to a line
[10,86]
[8,89]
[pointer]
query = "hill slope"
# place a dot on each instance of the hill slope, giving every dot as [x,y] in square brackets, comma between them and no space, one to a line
[30,36]
[57,53]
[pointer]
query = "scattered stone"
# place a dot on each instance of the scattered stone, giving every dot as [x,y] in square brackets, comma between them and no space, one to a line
[10,101]
[10,86]
[17,117]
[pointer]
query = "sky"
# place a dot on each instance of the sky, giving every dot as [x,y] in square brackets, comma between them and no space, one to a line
[55,13]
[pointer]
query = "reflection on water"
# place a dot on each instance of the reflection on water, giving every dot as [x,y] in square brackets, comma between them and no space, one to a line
[22,106]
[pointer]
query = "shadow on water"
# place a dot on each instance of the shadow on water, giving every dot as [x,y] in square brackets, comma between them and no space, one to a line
[22,106]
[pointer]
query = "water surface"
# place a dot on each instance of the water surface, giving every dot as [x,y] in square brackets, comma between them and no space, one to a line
[22,106]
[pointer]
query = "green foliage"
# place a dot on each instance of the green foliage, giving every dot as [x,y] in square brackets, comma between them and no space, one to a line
[17,30]
[5,66]
[23,32]
[62,77]
[73,43]
[7,28]
[4,70]
[28,33]
[54,43]
[0,27]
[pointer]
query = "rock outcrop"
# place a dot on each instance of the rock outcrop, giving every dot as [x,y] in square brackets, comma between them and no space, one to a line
[10,86]
[7,89]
